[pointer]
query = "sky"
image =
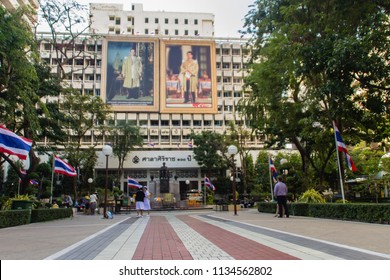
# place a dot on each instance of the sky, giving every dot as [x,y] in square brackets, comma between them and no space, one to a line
[229,14]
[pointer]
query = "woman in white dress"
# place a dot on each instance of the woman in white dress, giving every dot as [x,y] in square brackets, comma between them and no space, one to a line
[147,200]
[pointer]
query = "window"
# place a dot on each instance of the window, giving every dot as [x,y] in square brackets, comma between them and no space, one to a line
[118,21]
[226,65]
[176,32]
[186,21]
[164,123]
[228,108]
[79,62]
[197,123]
[176,21]
[175,123]
[185,32]
[98,77]
[99,62]
[218,65]
[164,139]
[47,47]
[236,52]
[111,29]
[186,123]
[227,80]
[218,123]
[156,31]
[156,20]
[129,19]
[218,51]
[129,29]
[196,33]
[143,123]
[117,31]
[236,66]
[99,48]
[146,31]
[97,92]
[166,32]
[207,123]
[111,18]
[225,51]
[227,94]
[195,21]
[91,48]
[237,94]
[166,21]
[146,20]
[153,123]
[219,94]
[236,80]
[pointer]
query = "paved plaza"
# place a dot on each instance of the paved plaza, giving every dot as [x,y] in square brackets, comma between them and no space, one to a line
[196,235]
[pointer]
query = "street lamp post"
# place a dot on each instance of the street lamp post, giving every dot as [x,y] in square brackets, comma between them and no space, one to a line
[232,150]
[107,151]
[90,181]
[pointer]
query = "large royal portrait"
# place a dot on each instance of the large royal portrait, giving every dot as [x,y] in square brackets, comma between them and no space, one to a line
[188,77]
[130,80]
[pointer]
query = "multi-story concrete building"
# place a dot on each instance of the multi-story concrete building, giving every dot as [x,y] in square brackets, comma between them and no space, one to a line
[12,5]
[112,19]
[167,123]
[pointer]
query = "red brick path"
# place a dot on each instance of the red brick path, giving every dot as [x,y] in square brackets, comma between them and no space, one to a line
[160,242]
[235,245]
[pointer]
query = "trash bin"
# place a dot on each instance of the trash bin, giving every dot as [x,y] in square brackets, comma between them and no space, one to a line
[21,204]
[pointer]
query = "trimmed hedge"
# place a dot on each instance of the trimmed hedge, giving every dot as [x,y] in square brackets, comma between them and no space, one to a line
[44,215]
[369,213]
[11,218]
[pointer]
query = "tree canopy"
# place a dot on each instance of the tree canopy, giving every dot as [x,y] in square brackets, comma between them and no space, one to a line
[314,62]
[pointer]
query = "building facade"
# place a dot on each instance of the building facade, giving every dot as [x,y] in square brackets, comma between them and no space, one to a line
[12,5]
[112,19]
[165,117]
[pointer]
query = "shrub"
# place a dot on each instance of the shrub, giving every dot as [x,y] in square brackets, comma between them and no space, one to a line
[43,215]
[11,218]
[369,213]
[311,196]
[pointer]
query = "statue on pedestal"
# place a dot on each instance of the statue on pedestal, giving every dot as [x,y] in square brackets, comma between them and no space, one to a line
[164,179]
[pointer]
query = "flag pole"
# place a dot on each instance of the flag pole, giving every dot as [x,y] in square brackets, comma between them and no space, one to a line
[338,164]
[52,180]
[270,178]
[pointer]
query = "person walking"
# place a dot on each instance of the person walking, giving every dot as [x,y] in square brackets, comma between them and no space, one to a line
[280,193]
[147,200]
[139,202]
[93,203]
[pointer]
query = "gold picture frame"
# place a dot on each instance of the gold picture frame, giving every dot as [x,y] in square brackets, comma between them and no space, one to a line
[188,82]
[130,80]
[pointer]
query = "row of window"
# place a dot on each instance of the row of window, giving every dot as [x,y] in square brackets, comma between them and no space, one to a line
[153,140]
[117,20]
[176,21]
[166,32]
[176,123]
[233,51]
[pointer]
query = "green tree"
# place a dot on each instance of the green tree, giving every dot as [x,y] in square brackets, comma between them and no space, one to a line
[125,138]
[24,84]
[314,62]
[83,113]
[209,150]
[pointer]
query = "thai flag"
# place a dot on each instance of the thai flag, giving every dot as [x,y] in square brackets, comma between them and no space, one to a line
[132,183]
[33,182]
[208,183]
[151,144]
[342,148]
[13,144]
[63,167]
[272,169]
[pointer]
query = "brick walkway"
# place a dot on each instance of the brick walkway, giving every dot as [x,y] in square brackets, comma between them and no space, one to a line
[196,235]
[160,242]
[240,248]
